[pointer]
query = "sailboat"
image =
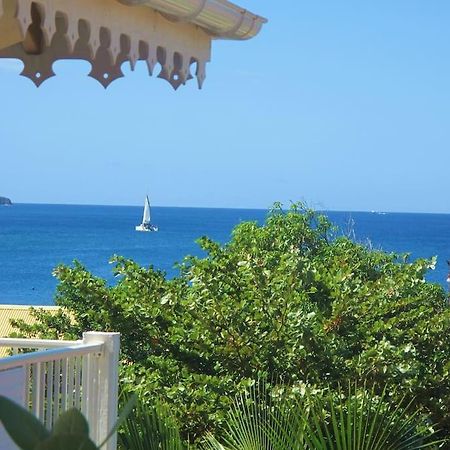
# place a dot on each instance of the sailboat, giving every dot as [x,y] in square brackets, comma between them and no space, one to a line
[146,225]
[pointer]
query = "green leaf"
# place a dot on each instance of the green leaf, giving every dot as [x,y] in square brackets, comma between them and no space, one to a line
[71,422]
[67,442]
[22,426]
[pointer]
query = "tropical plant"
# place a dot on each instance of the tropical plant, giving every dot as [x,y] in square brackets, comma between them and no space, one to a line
[289,300]
[70,432]
[258,420]
[150,428]
[359,420]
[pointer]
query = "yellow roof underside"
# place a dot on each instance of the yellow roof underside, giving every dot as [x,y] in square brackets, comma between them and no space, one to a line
[17,312]
[22,312]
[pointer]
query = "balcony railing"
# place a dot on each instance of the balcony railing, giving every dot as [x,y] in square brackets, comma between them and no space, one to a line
[59,375]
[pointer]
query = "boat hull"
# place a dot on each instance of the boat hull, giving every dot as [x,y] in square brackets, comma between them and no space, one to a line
[146,228]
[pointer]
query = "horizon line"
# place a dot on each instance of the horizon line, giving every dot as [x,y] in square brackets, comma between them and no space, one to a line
[377,212]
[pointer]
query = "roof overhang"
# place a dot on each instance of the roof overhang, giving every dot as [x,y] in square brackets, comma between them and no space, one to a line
[177,34]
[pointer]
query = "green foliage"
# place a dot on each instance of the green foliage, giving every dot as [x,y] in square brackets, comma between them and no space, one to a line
[70,432]
[290,300]
[359,420]
[24,428]
[150,428]
[258,420]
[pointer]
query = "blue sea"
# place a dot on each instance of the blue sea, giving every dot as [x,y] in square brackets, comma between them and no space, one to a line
[34,239]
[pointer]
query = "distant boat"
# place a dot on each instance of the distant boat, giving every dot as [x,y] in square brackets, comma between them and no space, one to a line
[146,225]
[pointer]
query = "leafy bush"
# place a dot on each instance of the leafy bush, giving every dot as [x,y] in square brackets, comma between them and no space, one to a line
[290,300]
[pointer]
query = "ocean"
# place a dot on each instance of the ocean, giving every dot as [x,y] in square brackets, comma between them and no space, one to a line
[34,239]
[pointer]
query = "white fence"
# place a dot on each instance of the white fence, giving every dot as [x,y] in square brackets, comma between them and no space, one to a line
[60,375]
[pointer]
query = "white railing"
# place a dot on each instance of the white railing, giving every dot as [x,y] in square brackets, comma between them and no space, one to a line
[60,375]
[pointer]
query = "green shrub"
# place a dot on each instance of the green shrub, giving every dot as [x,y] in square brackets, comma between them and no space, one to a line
[290,300]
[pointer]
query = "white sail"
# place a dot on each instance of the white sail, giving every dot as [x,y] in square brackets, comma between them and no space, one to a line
[145,225]
[146,216]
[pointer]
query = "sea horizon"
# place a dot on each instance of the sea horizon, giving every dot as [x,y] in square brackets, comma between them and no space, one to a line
[285,207]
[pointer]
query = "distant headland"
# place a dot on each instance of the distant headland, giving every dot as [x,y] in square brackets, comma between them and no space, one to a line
[5,201]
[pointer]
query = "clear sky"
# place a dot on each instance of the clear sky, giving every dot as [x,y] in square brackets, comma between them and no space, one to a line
[343,104]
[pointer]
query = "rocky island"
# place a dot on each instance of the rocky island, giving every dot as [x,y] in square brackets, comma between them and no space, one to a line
[5,201]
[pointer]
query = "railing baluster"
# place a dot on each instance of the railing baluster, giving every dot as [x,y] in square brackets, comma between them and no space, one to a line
[92,411]
[70,376]
[78,365]
[84,384]
[50,399]
[56,390]
[41,393]
[64,385]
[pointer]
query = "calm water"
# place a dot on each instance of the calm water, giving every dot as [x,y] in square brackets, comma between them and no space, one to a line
[35,238]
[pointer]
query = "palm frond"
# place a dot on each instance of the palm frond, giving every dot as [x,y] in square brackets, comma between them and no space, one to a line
[362,420]
[358,419]
[150,428]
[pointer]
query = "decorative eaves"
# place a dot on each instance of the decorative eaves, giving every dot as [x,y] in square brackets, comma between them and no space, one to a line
[174,34]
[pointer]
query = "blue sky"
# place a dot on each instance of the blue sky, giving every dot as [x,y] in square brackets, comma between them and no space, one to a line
[345,105]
